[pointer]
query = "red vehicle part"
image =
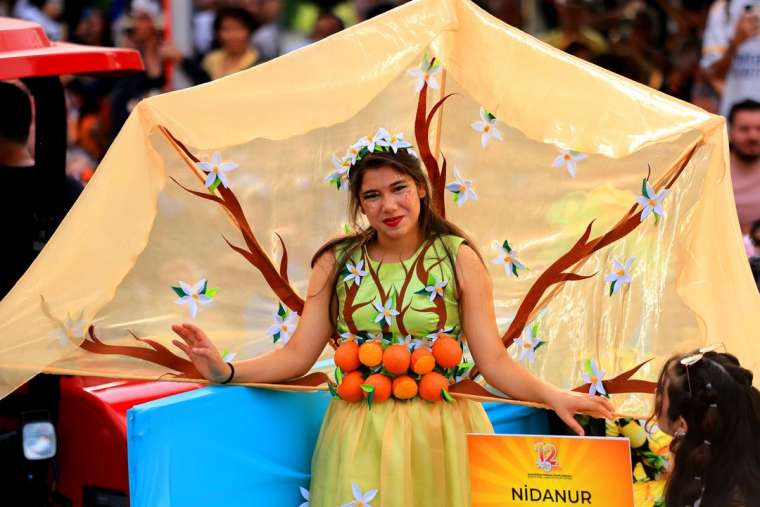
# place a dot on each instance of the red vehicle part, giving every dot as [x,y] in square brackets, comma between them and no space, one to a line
[25,51]
[92,429]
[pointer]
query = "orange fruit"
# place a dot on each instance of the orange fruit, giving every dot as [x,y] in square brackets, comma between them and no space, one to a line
[404,387]
[371,354]
[396,359]
[431,385]
[382,385]
[347,356]
[350,388]
[423,361]
[447,352]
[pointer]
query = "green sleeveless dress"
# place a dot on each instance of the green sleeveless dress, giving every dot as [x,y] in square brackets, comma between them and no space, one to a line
[397,453]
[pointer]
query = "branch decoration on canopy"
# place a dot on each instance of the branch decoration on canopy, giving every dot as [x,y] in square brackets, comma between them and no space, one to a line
[456,374]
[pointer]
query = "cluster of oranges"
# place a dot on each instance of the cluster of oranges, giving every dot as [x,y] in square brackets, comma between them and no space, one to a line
[371,369]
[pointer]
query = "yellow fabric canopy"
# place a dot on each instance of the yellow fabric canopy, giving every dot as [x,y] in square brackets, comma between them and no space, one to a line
[549,144]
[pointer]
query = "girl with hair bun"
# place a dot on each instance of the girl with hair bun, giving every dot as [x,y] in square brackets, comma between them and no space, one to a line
[706,401]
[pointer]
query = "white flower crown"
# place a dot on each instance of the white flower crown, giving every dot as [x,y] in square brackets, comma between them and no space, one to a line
[382,141]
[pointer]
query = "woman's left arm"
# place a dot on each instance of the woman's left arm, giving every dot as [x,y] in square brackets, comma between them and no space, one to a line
[490,355]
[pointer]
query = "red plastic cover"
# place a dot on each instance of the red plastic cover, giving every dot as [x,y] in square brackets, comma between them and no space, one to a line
[25,51]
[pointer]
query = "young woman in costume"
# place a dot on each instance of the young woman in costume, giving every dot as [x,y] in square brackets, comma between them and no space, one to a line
[408,281]
[707,403]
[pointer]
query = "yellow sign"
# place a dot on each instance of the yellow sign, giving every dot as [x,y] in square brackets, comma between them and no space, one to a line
[534,470]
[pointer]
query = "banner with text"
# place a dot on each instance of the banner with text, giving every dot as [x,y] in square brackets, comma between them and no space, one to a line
[532,470]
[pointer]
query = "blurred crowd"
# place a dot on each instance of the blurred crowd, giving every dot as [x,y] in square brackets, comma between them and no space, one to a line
[706,52]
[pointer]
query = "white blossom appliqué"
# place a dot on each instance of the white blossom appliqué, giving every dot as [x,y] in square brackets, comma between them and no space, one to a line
[508,258]
[620,275]
[216,171]
[593,376]
[462,189]
[651,202]
[354,272]
[426,73]
[72,331]
[361,499]
[195,295]
[284,326]
[487,127]
[569,160]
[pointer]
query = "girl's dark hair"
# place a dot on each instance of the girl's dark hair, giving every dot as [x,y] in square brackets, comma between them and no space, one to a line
[718,458]
[431,223]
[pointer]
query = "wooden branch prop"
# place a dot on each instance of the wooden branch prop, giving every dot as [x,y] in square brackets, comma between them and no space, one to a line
[582,249]
[623,383]
[422,123]
[253,253]
[156,354]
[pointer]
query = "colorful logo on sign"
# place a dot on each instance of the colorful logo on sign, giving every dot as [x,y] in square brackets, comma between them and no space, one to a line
[546,456]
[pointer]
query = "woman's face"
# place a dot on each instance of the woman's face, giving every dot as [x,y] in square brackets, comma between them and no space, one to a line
[233,36]
[391,201]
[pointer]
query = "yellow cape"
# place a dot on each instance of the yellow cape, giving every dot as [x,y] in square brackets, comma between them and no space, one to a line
[136,233]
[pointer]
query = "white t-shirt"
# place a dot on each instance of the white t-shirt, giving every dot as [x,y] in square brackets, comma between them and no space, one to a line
[743,78]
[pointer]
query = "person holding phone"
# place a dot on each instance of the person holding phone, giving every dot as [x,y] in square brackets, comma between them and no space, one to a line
[731,50]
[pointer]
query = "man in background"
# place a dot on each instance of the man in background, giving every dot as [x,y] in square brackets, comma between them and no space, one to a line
[744,138]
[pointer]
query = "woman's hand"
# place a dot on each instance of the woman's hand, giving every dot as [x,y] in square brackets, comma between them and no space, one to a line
[568,403]
[202,352]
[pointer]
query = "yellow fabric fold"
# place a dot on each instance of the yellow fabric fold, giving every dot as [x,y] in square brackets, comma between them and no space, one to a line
[135,233]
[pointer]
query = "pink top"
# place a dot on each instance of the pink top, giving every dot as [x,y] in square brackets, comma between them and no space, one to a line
[747,194]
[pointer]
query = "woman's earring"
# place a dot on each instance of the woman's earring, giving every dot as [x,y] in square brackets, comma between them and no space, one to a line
[679,434]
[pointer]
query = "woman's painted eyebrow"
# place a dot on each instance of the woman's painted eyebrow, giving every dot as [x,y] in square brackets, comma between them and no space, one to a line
[394,184]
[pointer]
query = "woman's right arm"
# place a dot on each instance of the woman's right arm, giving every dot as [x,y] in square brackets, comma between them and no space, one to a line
[294,359]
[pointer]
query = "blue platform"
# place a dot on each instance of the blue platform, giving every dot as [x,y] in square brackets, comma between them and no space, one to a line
[237,446]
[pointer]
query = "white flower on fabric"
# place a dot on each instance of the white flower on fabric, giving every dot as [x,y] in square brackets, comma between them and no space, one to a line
[462,189]
[395,142]
[380,138]
[568,159]
[193,296]
[71,331]
[339,176]
[593,375]
[528,344]
[355,272]
[305,496]
[508,258]
[441,333]
[426,74]
[361,499]
[487,127]
[650,202]
[621,274]
[385,312]
[413,343]
[216,169]
[436,289]
[285,322]
[350,337]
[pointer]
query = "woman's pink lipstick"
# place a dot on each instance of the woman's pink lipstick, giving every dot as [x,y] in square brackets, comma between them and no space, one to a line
[392,222]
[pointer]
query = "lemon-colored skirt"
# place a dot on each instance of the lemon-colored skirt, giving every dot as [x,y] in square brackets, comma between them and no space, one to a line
[413,453]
